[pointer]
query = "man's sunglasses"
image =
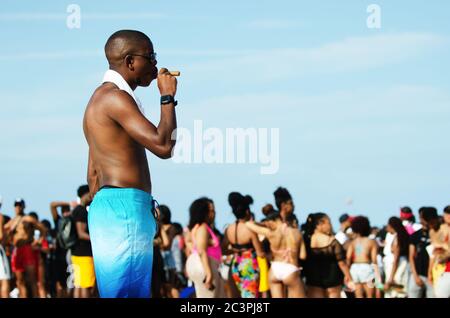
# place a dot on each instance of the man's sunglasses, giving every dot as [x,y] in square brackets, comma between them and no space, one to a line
[151,58]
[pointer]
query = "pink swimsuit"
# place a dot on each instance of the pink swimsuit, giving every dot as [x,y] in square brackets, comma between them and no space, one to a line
[214,251]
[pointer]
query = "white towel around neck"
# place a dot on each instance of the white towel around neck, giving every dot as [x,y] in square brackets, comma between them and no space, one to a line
[117,79]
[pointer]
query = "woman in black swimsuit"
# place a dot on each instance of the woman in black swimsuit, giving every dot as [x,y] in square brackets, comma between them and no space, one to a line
[325,267]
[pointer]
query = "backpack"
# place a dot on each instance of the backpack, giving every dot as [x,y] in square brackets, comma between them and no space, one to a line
[66,235]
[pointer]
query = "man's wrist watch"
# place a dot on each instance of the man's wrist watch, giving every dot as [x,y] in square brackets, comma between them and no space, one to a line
[168,99]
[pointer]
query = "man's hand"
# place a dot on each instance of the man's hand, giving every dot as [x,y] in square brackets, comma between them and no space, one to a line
[167,83]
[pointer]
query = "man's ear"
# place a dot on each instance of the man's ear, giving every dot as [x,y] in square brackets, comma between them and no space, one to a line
[129,60]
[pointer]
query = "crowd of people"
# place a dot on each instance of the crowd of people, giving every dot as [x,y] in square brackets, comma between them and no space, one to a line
[276,257]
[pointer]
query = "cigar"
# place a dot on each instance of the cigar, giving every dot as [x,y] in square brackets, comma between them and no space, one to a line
[175,73]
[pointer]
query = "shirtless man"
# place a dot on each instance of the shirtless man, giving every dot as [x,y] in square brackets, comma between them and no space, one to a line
[23,261]
[121,221]
[362,259]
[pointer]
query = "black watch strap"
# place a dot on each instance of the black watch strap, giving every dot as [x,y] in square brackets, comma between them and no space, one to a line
[168,99]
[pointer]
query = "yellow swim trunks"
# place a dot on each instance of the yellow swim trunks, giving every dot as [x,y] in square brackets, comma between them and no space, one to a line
[83,271]
[263,275]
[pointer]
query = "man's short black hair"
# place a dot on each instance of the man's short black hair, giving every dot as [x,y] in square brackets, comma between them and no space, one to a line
[421,209]
[447,209]
[344,217]
[82,190]
[428,213]
[47,224]
[406,209]
[122,43]
[34,215]
[178,228]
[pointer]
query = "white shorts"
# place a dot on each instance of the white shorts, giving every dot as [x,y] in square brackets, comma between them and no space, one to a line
[5,273]
[196,273]
[442,289]
[362,273]
[401,278]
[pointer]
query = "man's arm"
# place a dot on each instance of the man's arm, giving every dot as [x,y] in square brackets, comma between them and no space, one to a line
[158,140]
[54,208]
[38,225]
[11,224]
[82,231]
[126,113]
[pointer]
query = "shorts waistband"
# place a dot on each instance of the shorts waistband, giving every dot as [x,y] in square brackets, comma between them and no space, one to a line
[124,193]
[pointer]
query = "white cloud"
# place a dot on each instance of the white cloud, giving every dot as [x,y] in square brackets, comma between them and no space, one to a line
[80,54]
[351,54]
[352,114]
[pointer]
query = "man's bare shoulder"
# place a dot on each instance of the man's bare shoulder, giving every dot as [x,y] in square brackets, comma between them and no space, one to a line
[110,95]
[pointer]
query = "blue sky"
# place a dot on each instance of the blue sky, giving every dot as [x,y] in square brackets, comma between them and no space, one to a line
[366,112]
